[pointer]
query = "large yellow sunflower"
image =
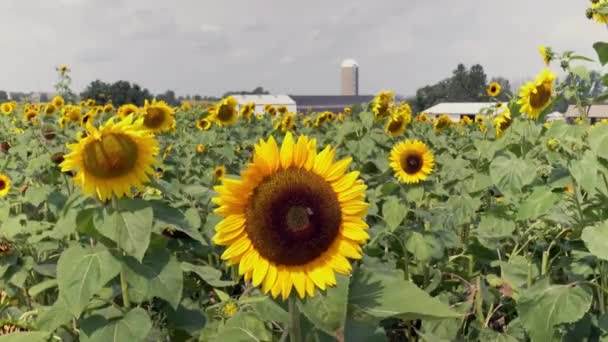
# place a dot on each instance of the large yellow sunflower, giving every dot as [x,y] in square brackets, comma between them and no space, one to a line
[493,89]
[381,104]
[293,219]
[113,158]
[534,97]
[226,113]
[443,122]
[5,185]
[502,122]
[412,161]
[158,116]
[248,110]
[203,124]
[6,108]
[599,17]
[126,110]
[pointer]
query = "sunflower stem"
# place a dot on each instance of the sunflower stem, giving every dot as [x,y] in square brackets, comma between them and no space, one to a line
[124,287]
[295,330]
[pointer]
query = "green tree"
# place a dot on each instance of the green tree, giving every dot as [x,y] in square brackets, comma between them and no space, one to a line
[3,95]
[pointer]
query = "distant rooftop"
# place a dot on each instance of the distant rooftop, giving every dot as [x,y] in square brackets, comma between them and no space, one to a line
[263,99]
[593,111]
[332,103]
[459,108]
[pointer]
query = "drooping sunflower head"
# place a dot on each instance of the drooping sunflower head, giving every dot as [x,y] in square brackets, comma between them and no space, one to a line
[5,185]
[595,13]
[219,172]
[225,113]
[126,110]
[347,111]
[200,148]
[282,109]
[247,111]
[113,159]
[546,53]
[30,116]
[493,89]
[49,109]
[108,108]
[90,103]
[502,122]
[288,122]
[6,108]
[158,116]
[203,124]
[534,97]
[293,219]
[382,104]
[443,122]
[396,124]
[412,161]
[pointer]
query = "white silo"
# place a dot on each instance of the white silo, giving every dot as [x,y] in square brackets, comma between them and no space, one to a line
[349,77]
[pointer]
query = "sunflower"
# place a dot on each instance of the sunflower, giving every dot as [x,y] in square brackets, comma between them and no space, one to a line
[168,150]
[412,161]
[259,116]
[502,122]
[88,117]
[347,111]
[30,116]
[219,172]
[282,109]
[396,125]
[321,118]
[443,122]
[6,108]
[546,53]
[72,113]
[493,89]
[58,101]
[293,219]
[5,185]
[381,104]
[158,116]
[479,119]
[113,158]
[287,123]
[203,124]
[49,109]
[63,68]
[108,108]
[186,106]
[247,111]
[534,97]
[200,148]
[465,120]
[599,17]
[422,117]
[225,113]
[341,117]
[126,110]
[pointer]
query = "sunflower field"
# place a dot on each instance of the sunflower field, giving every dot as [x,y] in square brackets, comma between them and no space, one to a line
[218,223]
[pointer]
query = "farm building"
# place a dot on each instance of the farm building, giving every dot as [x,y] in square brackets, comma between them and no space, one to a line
[262,100]
[456,110]
[331,103]
[595,112]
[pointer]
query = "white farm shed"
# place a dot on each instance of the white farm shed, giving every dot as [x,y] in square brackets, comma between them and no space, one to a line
[456,110]
[262,100]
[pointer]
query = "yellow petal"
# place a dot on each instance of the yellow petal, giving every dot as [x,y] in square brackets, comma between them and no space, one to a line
[286,283]
[259,271]
[247,262]
[231,223]
[338,169]
[224,238]
[298,279]
[323,161]
[270,279]
[344,183]
[287,151]
[349,249]
[300,156]
[354,232]
[237,248]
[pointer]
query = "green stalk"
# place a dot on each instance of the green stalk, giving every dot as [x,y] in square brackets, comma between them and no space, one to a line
[545,263]
[295,330]
[124,287]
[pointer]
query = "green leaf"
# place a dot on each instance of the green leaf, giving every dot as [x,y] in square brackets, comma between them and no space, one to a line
[187,317]
[244,326]
[423,247]
[270,310]
[53,317]
[492,229]
[510,174]
[133,327]
[158,275]
[540,202]
[544,306]
[82,273]
[42,286]
[34,336]
[209,274]
[130,229]
[585,171]
[581,72]
[598,140]
[602,51]
[386,294]
[394,212]
[367,118]
[328,311]
[596,240]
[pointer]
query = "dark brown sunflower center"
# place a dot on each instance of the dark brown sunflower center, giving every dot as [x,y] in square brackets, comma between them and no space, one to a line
[493,89]
[395,125]
[293,217]
[504,124]
[411,163]
[86,118]
[2,184]
[154,117]
[541,97]
[225,113]
[113,156]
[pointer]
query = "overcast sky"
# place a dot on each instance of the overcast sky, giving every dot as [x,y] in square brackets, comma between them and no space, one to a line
[209,47]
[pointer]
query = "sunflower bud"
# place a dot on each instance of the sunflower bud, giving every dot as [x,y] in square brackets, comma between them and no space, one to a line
[48,133]
[589,13]
[553,144]
[5,146]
